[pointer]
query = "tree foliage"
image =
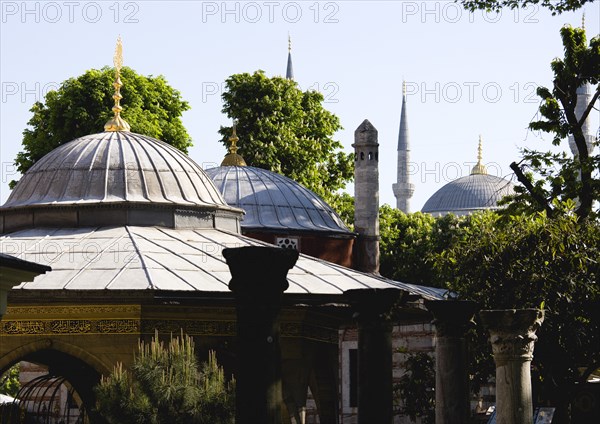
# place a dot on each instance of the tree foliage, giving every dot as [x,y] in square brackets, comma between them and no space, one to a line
[410,243]
[416,387]
[167,385]
[536,261]
[9,381]
[286,130]
[82,105]
[549,176]
[555,6]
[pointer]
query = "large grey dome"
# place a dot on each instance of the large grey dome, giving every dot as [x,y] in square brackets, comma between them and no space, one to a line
[468,194]
[274,202]
[115,167]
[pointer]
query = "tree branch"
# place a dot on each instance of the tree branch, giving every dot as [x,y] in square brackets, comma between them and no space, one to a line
[539,199]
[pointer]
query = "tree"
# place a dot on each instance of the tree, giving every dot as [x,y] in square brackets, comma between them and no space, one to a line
[410,243]
[555,6]
[9,381]
[286,130]
[548,176]
[82,105]
[166,385]
[536,261]
[416,388]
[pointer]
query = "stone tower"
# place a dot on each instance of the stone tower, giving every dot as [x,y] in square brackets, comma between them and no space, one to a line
[366,197]
[585,94]
[403,189]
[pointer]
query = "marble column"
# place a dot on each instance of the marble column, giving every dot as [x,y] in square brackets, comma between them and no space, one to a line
[452,319]
[258,282]
[374,311]
[512,335]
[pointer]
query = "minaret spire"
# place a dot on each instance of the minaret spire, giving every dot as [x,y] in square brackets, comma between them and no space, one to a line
[403,189]
[289,74]
[117,123]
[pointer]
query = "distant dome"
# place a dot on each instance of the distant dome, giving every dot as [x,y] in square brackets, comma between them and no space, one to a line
[274,202]
[468,194]
[115,167]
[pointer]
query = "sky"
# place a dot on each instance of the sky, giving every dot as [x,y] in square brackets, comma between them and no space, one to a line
[466,74]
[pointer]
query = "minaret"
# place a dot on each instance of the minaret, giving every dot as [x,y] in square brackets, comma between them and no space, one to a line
[403,189]
[366,197]
[289,73]
[585,94]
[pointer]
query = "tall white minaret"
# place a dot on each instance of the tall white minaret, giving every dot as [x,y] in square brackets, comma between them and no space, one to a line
[585,94]
[403,189]
[366,197]
[289,72]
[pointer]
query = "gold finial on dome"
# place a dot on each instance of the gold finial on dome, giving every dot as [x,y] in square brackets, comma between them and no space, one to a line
[479,168]
[117,123]
[232,158]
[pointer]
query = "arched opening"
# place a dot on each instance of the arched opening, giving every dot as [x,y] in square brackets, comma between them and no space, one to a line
[62,391]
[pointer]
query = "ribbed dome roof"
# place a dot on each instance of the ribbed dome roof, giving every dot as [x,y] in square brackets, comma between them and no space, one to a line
[115,167]
[274,202]
[468,194]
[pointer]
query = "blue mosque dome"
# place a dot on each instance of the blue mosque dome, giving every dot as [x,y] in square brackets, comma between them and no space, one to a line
[465,195]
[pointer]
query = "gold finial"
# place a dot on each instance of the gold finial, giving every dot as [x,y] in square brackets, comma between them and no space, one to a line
[117,123]
[232,158]
[479,168]
[289,43]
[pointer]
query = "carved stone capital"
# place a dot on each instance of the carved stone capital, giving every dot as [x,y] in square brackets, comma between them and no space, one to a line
[512,333]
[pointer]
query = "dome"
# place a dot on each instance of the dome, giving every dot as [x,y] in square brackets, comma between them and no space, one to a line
[115,167]
[274,202]
[468,194]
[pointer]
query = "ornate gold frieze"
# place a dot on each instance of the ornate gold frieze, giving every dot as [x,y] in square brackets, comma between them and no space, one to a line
[68,327]
[78,311]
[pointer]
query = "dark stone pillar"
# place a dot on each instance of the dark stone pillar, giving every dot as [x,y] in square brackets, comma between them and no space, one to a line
[452,319]
[374,315]
[512,335]
[258,282]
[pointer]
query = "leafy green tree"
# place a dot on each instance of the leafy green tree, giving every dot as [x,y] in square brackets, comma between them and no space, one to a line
[416,387]
[286,130]
[167,385]
[536,261]
[82,105]
[548,176]
[555,6]
[9,381]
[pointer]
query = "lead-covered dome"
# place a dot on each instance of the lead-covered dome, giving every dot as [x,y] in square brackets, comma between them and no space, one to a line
[468,194]
[273,202]
[114,167]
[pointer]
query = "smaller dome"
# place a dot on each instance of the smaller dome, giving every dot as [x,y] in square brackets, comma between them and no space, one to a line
[274,202]
[468,194]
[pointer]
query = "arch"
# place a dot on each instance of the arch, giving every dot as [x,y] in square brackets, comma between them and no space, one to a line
[362,155]
[27,349]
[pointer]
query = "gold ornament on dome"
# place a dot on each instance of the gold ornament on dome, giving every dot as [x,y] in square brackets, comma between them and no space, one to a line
[117,123]
[232,158]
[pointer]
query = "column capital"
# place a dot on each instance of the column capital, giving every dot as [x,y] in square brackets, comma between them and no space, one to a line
[512,332]
[266,267]
[452,318]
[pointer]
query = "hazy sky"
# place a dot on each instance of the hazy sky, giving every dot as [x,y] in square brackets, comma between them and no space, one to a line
[467,74]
